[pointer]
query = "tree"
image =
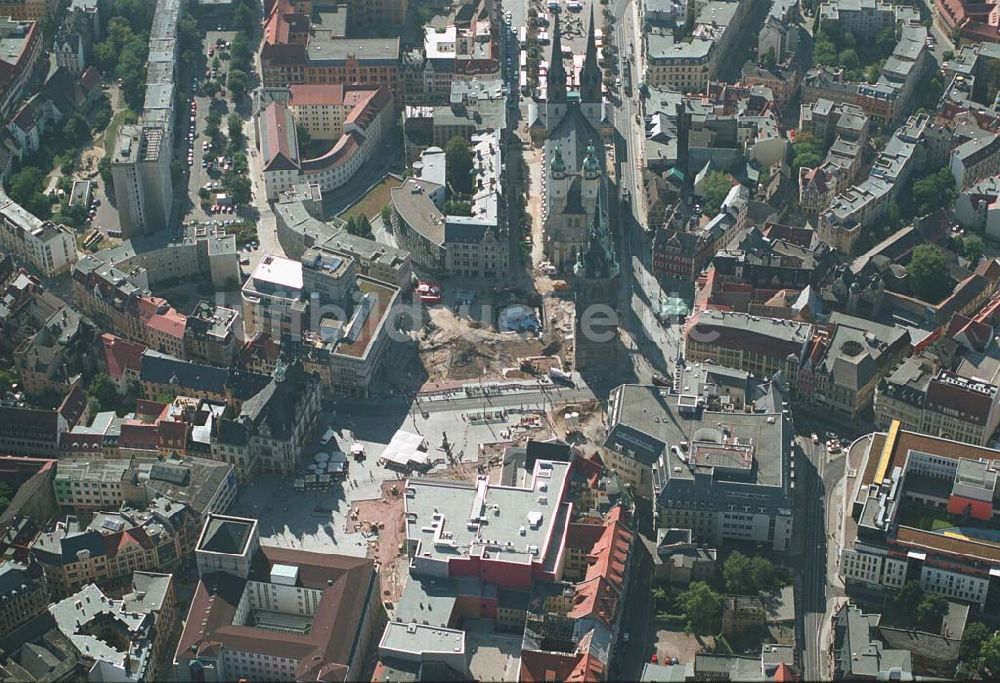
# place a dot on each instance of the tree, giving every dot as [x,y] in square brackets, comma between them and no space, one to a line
[239,187]
[909,597]
[806,152]
[716,187]
[762,574]
[131,70]
[927,273]
[103,392]
[5,495]
[7,380]
[75,129]
[849,58]
[303,135]
[872,72]
[234,126]
[244,19]
[972,639]
[238,82]
[360,226]
[386,214]
[138,13]
[769,61]
[458,157]
[702,607]
[930,612]
[933,192]
[239,52]
[824,50]
[25,184]
[989,653]
[885,42]
[736,573]
[71,215]
[104,168]
[973,248]
[749,575]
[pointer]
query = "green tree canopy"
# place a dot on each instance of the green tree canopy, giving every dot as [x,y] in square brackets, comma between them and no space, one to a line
[930,611]
[849,58]
[927,274]
[103,393]
[239,187]
[749,575]
[973,248]
[358,224]
[234,127]
[238,82]
[717,186]
[303,135]
[458,157]
[989,653]
[703,608]
[6,493]
[933,192]
[806,152]
[239,52]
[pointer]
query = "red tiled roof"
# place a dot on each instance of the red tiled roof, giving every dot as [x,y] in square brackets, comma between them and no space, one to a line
[784,674]
[121,355]
[280,133]
[171,323]
[309,94]
[139,436]
[583,536]
[323,653]
[598,594]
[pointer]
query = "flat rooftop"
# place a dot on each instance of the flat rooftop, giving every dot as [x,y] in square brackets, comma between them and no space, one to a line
[418,638]
[457,520]
[280,272]
[650,422]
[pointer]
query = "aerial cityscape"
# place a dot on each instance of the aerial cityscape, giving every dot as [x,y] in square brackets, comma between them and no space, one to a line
[499,340]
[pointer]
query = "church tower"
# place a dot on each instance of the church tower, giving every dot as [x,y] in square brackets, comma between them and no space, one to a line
[595,298]
[591,98]
[555,85]
[590,75]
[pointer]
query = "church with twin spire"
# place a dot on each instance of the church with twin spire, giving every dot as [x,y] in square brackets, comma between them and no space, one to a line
[576,196]
[562,90]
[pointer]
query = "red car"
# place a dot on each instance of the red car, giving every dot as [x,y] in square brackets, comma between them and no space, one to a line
[654,659]
[429,292]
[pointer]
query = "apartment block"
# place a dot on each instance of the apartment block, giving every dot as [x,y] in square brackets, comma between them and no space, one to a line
[111,547]
[724,475]
[23,594]
[905,475]
[263,611]
[48,248]
[762,346]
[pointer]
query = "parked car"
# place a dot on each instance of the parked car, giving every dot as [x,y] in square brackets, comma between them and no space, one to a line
[429,292]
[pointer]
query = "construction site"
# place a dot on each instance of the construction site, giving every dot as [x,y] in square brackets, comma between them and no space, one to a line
[465,343]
